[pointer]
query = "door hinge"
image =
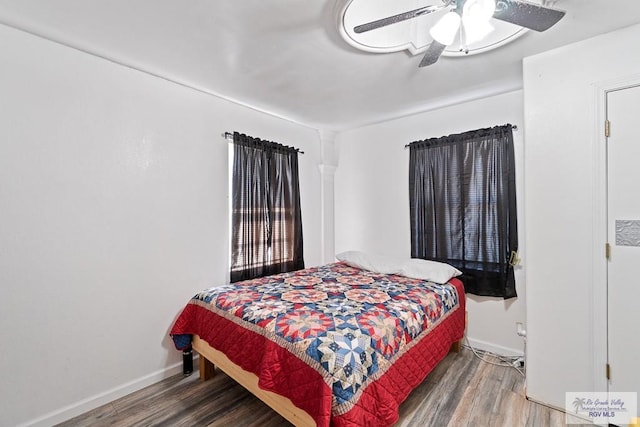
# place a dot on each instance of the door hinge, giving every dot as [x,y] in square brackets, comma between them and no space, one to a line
[608,371]
[607,250]
[607,128]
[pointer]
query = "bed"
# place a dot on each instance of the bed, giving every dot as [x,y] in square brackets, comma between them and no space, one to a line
[332,345]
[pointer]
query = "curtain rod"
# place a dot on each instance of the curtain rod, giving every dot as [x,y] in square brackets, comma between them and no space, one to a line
[229,137]
[513,127]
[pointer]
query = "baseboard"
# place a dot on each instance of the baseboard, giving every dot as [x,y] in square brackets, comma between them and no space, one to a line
[543,403]
[494,348]
[575,419]
[93,402]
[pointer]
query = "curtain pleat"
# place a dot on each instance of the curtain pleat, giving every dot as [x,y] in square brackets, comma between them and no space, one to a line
[266,235]
[463,206]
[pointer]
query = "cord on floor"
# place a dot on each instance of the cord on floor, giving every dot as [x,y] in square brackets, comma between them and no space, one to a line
[507,362]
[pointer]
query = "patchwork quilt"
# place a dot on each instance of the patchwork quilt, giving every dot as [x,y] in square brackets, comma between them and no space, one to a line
[345,345]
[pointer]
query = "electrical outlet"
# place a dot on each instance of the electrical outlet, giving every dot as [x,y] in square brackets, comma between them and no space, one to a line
[520,329]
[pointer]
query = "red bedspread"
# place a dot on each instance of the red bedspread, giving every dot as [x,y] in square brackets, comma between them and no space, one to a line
[345,345]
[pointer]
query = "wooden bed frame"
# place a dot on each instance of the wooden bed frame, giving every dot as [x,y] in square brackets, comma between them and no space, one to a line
[210,357]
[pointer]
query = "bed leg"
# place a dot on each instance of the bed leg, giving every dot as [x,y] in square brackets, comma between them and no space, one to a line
[207,369]
[455,347]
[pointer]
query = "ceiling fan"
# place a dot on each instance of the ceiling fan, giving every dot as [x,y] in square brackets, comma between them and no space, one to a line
[470,18]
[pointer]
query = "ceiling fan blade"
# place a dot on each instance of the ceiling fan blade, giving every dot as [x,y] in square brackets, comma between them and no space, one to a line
[432,54]
[396,18]
[528,15]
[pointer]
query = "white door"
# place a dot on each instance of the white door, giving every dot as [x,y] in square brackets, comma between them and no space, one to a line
[623,230]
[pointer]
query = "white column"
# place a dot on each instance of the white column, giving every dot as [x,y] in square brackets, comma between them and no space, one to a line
[327,198]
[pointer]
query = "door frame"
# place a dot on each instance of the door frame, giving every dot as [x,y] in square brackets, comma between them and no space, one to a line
[599,310]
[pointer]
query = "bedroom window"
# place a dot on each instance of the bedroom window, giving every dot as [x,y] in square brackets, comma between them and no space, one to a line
[266,219]
[463,206]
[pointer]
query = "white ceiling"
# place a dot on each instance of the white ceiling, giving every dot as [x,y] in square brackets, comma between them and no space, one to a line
[287,58]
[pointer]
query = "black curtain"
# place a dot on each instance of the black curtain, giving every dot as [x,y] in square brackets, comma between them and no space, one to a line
[266,235]
[463,206]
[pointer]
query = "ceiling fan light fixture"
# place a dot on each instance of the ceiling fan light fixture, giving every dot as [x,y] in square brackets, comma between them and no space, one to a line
[463,27]
[445,30]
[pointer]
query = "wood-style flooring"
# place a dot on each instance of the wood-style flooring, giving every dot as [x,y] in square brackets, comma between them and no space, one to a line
[461,391]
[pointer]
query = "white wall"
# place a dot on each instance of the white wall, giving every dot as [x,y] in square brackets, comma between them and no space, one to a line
[563,209]
[372,199]
[113,213]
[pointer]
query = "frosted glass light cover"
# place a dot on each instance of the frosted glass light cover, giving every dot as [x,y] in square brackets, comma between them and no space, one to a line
[479,10]
[475,30]
[445,30]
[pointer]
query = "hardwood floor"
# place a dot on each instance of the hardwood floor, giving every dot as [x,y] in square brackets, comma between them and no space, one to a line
[461,391]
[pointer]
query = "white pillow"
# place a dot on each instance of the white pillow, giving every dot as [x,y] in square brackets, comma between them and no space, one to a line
[432,271]
[356,259]
[371,262]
